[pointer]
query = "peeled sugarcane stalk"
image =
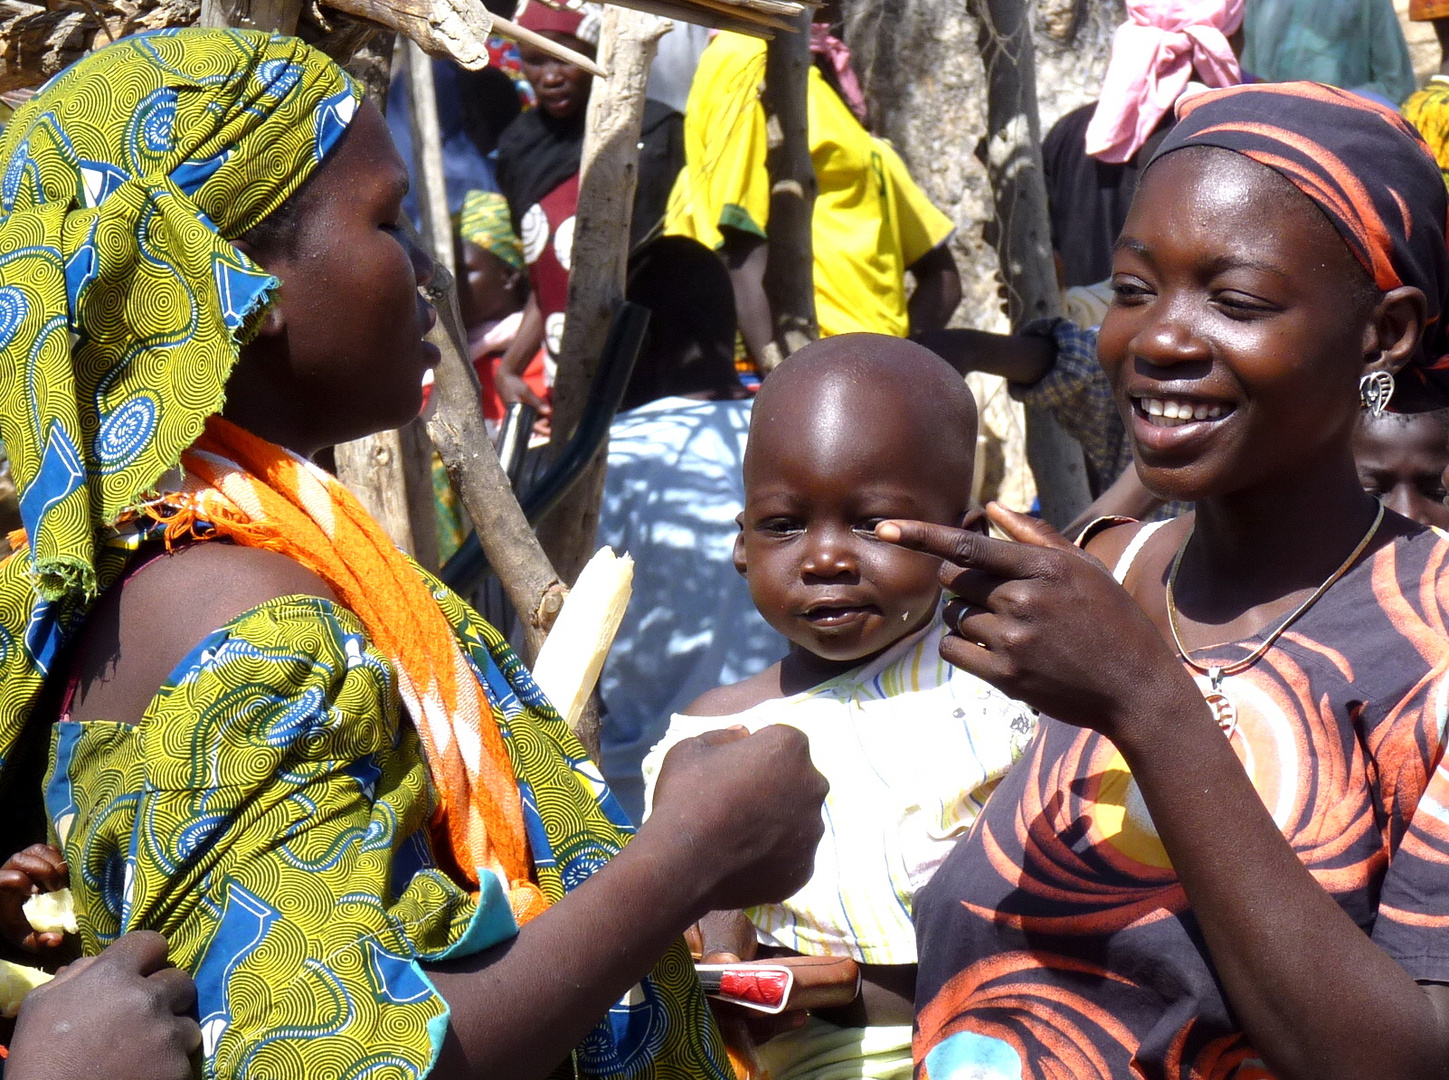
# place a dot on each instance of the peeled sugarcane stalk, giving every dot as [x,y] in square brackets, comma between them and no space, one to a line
[15,982]
[572,656]
[51,912]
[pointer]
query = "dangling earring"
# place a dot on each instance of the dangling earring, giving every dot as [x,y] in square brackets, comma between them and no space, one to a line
[1374,391]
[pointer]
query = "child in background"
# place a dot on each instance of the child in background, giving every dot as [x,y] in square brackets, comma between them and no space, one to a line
[1402,459]
[850,431]
[495,288]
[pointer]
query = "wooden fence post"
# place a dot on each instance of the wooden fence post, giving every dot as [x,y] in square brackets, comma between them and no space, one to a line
[608,176]
[1023,233]
[790,268]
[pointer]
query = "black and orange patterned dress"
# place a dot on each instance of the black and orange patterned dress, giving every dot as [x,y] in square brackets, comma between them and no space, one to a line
[1056,940]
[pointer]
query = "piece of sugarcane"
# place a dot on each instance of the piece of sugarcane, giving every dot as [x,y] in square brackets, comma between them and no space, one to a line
[15,982]
[51,912]
[573,654]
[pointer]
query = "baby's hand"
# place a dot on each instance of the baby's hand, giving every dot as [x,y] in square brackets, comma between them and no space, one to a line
[39,868]
[124,1014]
[726,937]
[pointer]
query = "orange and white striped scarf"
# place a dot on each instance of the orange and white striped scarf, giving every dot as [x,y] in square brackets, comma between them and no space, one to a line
[259,495]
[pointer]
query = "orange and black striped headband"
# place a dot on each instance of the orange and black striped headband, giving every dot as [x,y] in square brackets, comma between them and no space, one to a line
[1360,163]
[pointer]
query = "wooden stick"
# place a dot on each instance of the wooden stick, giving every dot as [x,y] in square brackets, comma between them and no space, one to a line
[456,428]
[790,268]
[517,33]
[1023,232]
[427,139]
[600,254]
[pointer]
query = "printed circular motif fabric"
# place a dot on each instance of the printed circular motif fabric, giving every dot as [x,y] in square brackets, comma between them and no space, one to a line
[122,302]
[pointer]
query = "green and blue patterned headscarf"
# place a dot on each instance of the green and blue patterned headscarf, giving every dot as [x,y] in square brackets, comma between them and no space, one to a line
[485,221]
[122,303]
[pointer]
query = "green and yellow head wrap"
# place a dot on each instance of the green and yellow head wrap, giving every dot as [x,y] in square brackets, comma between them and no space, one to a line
[485,221]
[122,303]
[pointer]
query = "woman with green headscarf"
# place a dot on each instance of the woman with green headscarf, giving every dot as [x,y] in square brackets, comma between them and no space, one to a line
[246,719]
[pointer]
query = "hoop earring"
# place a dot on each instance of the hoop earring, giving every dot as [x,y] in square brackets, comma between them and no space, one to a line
[1374,391]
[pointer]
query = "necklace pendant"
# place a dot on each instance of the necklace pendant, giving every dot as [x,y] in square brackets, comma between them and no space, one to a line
[1224,711]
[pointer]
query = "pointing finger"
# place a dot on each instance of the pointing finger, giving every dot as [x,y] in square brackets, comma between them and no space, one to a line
[960,547]
[1025,529]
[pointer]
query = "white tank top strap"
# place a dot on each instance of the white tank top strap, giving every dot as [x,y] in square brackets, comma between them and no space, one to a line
[1134,548]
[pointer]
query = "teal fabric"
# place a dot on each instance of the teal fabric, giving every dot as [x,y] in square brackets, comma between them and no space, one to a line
[1352,44]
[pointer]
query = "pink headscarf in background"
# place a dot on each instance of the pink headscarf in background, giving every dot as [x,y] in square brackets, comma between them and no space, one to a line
[1154,54]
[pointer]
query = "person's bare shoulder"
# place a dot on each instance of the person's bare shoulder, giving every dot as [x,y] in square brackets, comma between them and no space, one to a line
[1109,542]
[142,628]
[737,697]
[1151,562]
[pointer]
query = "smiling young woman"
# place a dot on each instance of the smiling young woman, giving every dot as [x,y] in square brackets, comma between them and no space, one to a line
[1226,854]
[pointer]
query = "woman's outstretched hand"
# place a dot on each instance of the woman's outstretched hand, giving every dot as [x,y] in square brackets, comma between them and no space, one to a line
[1045,622]
[749,805]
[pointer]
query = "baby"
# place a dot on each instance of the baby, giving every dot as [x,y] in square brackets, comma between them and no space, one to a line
[849,432]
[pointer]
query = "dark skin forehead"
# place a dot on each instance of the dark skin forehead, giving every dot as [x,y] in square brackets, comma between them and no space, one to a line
[863,402]
[1416,444]
[1302,241]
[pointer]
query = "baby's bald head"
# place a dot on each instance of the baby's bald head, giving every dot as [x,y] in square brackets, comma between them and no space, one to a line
[859,397]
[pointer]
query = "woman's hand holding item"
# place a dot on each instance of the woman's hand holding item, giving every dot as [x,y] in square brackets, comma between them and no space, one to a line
[123,1014]
[1046,623]
[39,868]
[736,822]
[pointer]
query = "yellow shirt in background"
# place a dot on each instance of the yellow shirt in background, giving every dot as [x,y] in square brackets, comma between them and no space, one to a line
[1428,110]
[871,220]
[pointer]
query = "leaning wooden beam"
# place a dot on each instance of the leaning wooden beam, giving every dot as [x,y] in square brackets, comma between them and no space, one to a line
[1023,232]
[454,28]
[790,269]
[608,176]
[456,428]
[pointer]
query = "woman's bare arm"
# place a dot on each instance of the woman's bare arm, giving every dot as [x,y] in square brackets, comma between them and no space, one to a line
[1316,997]
[736,820]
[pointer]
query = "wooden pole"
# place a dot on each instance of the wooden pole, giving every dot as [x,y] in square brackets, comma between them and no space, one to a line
[790,268]
[608,176]
[278,15]
[456,428]
[427,141]
[1023,232]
